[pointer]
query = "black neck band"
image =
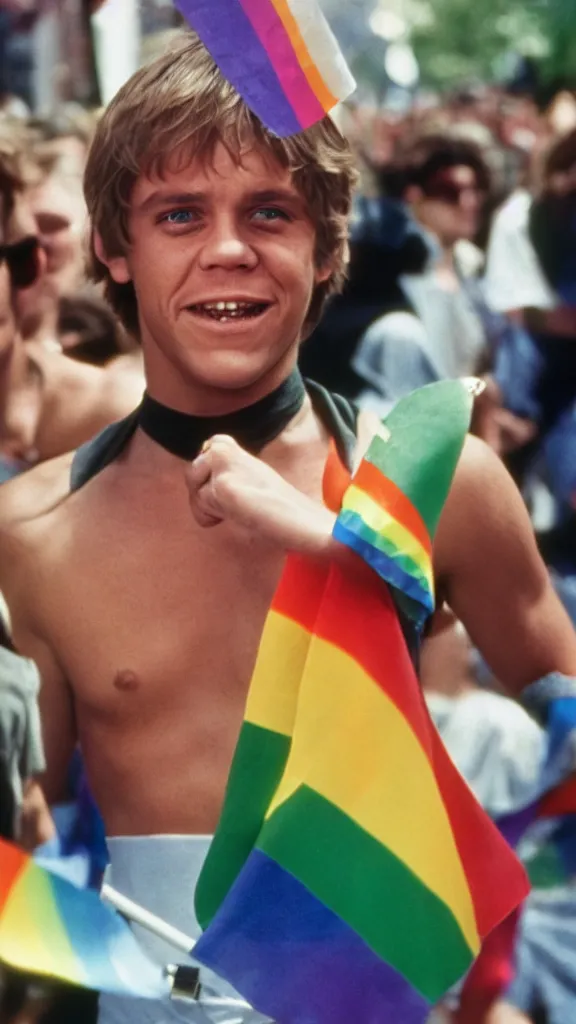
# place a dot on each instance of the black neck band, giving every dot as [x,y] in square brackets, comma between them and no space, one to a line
[253,427]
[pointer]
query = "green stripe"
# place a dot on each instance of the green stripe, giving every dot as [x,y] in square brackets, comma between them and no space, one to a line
[256,771]
[427,431]
[388,547]
[370,889]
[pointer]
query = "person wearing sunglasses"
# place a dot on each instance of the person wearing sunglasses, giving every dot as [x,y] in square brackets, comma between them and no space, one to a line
[49,403]
[434,330]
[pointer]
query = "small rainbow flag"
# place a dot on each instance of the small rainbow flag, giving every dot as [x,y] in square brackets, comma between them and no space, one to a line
[280,55]
[391,510]
[353,875]
[49,927]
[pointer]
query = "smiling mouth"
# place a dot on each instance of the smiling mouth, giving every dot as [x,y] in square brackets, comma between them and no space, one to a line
[224,311]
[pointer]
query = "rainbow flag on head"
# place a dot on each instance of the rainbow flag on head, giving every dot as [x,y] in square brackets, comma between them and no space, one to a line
[280,55]
[49,927]
[353,875]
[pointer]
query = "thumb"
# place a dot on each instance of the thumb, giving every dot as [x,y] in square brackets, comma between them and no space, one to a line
[198,476]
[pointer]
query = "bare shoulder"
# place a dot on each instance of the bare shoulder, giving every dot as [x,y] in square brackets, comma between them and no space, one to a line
[30,508]
[35,492]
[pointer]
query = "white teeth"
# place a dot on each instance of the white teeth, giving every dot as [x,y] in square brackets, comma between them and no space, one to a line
[219,305]
[232,305]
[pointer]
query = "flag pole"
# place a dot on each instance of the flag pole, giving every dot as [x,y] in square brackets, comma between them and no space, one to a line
[134,912]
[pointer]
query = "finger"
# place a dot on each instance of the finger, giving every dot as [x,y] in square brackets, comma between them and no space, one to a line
[198,473]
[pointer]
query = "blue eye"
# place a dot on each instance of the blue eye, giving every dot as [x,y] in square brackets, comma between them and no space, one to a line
[178,217]
[271,213]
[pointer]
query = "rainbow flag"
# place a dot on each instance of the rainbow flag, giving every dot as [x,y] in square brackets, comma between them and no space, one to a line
[391,510]
[353,876]
[280,55]
[49,927]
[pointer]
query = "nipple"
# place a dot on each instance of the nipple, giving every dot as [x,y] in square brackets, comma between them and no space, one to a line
[126,681]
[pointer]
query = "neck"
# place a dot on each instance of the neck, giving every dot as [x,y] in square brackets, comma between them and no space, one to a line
[13,376]
[252,425]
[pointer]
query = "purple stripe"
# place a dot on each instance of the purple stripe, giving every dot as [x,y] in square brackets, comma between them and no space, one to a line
[275,39]
[227,33]
[296,961]
[513,826]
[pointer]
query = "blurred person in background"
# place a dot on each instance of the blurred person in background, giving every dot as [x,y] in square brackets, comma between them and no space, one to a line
[408,315]
[531,275]
[436,332]
[50,404]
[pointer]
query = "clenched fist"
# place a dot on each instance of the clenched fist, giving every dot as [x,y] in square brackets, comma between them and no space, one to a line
[226,484]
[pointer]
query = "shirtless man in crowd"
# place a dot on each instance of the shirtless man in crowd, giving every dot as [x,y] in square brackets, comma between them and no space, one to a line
[143,593]
[49,404]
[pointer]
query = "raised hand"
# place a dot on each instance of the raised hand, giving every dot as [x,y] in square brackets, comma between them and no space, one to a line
[227,484]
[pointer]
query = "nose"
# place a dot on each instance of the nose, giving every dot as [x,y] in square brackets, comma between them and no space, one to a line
[226,247]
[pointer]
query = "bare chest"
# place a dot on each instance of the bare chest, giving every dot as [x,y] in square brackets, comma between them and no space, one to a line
[167,617]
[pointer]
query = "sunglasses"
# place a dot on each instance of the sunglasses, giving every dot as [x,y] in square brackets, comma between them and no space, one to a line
[22,261]
[450,191]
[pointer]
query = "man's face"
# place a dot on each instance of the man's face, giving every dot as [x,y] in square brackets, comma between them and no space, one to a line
[222,262]
[450,204]
[54,212]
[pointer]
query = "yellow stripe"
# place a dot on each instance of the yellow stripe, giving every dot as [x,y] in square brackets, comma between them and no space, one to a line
[354,747]
[276,680]
[308,65]
[380,520]
[32,936]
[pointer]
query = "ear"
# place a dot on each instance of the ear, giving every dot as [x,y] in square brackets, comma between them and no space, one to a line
[117,265]
[321,274]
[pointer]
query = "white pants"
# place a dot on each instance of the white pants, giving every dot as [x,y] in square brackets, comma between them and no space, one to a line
[160,873]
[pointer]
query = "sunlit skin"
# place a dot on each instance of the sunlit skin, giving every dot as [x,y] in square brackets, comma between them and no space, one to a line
[219,231]
[143,596]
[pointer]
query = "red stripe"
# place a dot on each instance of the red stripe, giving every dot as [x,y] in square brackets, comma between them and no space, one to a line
[561,800]
[358,616]
[386,493]
[12,862]
[497,880]
[300,590]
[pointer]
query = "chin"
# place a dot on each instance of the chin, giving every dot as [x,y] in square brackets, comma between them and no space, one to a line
[231,371]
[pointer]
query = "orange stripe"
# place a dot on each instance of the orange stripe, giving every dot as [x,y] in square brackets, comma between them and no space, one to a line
[12,863]
[372,481]
[308,65]
[336,480]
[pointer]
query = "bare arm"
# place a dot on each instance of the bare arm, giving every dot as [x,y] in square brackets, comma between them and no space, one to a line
[21,585]
[490,572]
[56,713]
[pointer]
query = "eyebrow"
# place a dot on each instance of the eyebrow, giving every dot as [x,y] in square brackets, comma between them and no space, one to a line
[160,198]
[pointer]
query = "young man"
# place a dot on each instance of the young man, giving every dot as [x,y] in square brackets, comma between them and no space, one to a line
[219,242]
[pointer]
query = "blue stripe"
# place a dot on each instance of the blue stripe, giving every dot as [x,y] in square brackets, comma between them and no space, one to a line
[295,961]
[110,957]
[389,570]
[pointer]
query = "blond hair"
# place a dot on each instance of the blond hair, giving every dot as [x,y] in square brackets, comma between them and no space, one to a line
[181,106]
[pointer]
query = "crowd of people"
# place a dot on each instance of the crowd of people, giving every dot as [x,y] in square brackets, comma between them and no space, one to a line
[462,263]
